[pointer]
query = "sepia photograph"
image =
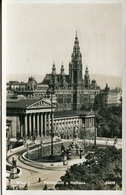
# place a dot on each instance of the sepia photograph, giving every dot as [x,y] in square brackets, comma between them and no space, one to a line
[63,96]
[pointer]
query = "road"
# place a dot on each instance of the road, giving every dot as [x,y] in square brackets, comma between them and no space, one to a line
[110,142]
[31,175]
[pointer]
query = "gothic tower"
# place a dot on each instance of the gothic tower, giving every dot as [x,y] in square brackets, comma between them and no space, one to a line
[75,66]
[75,74]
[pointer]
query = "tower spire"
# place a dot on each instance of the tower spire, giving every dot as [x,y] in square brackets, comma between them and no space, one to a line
[75,67]
[76,33]
[86,78]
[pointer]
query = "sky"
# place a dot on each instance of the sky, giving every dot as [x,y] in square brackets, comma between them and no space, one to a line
[39,34]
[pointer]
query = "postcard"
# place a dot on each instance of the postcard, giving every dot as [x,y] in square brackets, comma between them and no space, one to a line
[63,90]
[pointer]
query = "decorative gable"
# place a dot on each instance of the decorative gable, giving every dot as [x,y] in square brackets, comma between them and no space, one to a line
[40,104]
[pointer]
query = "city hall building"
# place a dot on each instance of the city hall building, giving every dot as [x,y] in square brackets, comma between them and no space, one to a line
[73,90]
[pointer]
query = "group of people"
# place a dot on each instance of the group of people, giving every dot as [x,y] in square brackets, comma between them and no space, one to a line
[10,187]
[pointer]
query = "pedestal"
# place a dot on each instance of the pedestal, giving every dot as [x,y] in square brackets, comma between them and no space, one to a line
[13,173]
[65,160]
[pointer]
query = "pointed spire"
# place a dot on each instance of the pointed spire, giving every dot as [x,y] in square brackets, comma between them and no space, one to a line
[87,78]
[76,33]
[76,38]
[76,47]
[106,87]
[62,64]
[86,72]
[53,68]
[62,68]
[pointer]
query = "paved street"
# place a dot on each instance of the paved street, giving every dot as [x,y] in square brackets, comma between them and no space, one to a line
[110,142]
[31,175]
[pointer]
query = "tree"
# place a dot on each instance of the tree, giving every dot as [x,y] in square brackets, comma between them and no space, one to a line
[110,121]
[92,174]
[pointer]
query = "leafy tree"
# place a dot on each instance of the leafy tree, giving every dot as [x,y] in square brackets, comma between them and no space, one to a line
[110,121]
[92,174]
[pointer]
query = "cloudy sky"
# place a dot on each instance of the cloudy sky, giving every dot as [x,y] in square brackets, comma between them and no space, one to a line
[38,34]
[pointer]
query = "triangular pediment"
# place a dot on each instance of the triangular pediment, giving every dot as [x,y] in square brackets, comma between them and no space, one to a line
[40,104]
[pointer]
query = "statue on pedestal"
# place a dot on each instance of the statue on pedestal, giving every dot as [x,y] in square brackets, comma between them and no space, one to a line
[14,162]
[13,173]
[75,133]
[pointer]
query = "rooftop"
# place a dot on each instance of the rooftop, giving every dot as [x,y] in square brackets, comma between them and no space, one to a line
[68,113]
[21,104]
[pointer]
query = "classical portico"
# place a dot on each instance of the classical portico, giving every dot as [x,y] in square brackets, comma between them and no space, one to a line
[33,118]
[30,118]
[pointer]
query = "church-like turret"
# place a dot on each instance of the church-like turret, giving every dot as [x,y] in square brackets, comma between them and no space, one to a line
[62,77]
[107,88]
[53,69]
[86,78]
[54,79]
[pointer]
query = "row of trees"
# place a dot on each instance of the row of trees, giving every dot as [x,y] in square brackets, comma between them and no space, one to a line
[101,171]
[108,118]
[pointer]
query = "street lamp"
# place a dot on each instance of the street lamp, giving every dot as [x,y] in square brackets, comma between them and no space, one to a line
[51,92]
[52,130]
[84,143]
[95,136]
[27,151]
[41,143]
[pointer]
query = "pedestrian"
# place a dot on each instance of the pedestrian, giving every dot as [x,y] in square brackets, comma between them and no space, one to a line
[26,187]
[45,187]
[39,179]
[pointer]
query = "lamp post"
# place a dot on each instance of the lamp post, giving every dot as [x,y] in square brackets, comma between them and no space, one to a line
[52,133]
[84,143]
[41,143]
[27,150]
[95,132]
[95,136]
[51,92]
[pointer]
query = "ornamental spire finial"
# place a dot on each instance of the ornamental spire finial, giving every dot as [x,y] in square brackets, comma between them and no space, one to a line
[76,33]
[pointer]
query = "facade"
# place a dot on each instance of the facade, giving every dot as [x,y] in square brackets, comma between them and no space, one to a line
[67,123]
[28,118]
[30,89]
[73,90]
[31,111]
[111,97]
